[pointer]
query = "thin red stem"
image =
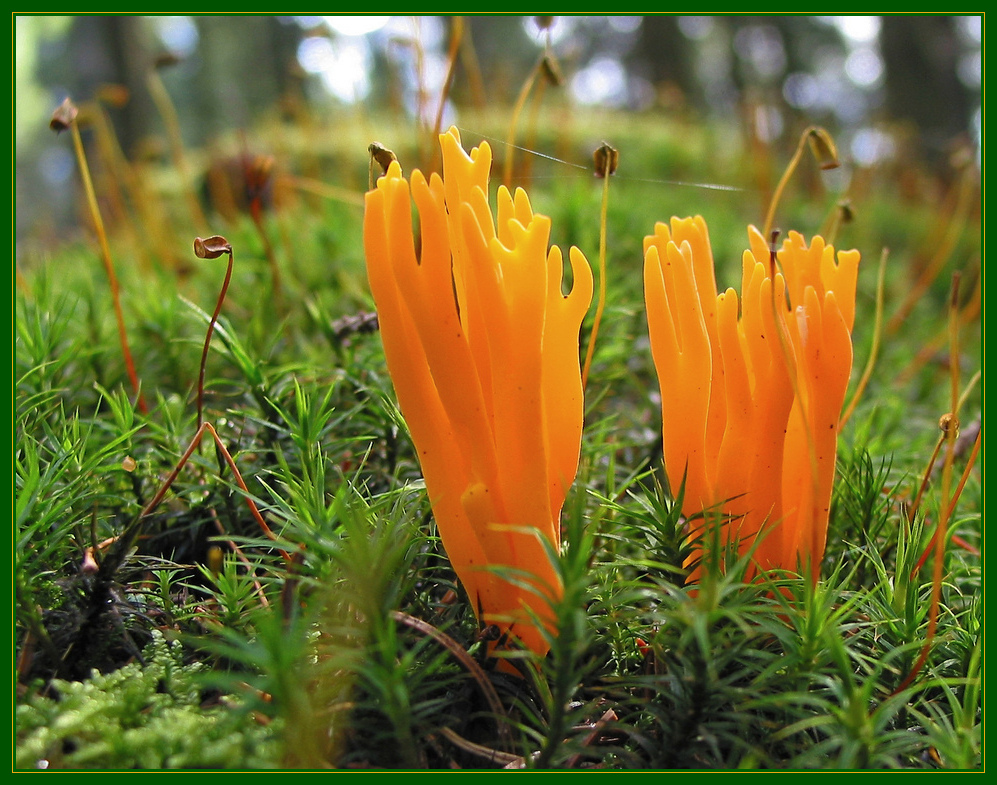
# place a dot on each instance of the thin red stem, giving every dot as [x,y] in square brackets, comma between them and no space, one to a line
[951,510]
[105,253]
[253,509]
[207,339]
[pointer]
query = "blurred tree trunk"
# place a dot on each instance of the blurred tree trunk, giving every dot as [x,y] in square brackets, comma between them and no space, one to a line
[504,51]
[102,50]
[661,55]
[245,68]
[239,69]
[921,54]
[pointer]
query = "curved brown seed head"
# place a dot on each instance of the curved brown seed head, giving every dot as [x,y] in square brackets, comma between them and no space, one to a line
[382,155]
[64,116]
[606,159]
[211,247]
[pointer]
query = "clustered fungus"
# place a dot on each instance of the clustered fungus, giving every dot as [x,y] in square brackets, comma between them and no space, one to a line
[751,391]
[482,347]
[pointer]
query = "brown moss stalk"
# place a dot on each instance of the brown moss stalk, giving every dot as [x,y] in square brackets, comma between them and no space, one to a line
[606,161]
[824,150]
[65,119]
[211,248]
[949,424]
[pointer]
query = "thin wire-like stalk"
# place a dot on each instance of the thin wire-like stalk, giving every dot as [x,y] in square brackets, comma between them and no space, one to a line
[105,253]
[126,540]
[929,469]
[950,432]
[207,427]
[969,387]
[965,473]
[824,151]
[842,213]
[601,305]
[774,201]
[207,337]
[955,498]
[877,331]
[912,512]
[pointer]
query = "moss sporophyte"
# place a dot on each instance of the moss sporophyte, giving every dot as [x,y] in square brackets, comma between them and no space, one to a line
[482,347]
[751,400]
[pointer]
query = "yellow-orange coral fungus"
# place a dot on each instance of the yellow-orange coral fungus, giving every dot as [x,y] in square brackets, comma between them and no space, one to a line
[751,391]
[482,348]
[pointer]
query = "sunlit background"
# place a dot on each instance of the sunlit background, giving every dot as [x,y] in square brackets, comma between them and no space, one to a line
[868,78]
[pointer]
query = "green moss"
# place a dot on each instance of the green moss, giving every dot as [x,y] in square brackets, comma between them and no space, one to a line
[151,716]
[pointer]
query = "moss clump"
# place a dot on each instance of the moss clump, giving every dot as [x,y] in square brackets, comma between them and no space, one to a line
[151,717]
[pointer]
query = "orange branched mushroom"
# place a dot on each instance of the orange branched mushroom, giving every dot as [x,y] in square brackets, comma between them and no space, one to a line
[482,348]
[750,400]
